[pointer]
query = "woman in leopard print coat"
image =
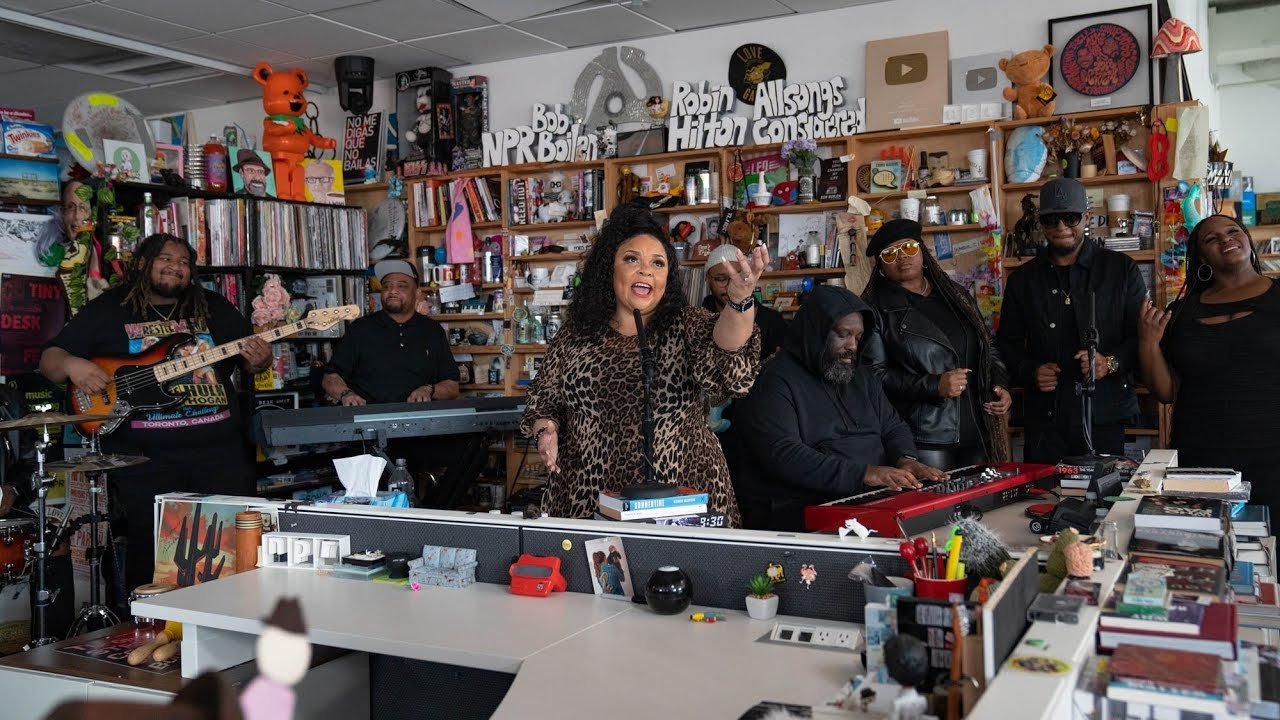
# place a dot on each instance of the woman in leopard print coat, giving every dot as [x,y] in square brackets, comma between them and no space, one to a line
[585,405]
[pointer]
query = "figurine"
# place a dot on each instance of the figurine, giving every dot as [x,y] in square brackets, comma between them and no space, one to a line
[1079,560]
[419,132]
[284,655]
[907,659]
[742,231]
[628,185]
[1021,240]
[284,131]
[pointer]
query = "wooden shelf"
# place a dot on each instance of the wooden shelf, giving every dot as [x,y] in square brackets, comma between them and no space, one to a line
[949,190]
[1142,432]
[813,207]
[699,208]
[1137,255]
[486,225]
[464,317]
[931,229]
[535,228]
[482,386]
[366,187]
[548,257]
[476,349]
[1087,182]
[530,291]
[492,286]
[7,156]
[14,200]
[531,348]
[1264,232]
[1078,117]
[803,272]
[897,135]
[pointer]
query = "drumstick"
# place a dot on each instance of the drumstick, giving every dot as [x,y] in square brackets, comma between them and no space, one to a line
[141,653]
[165,652]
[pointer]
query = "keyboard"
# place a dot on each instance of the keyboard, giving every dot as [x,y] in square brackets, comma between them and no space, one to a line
[374,423]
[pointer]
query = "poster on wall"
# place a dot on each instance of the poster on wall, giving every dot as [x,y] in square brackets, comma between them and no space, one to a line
[361,149]
[324,181]
[251,172]
[1102,59]
[32,311]
[906,80]
[977,79]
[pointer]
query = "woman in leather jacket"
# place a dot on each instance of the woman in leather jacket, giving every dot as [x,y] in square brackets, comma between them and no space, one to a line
[934,354]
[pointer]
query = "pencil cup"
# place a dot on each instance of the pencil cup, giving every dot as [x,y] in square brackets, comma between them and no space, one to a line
[941,589]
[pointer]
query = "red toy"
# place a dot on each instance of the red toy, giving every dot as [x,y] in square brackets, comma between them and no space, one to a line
[536,575]
[285,134]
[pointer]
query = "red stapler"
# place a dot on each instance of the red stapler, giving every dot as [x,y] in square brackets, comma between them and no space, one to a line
[536,575]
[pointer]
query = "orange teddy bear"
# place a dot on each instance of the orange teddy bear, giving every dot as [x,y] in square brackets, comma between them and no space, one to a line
[284,131]
[1031,96]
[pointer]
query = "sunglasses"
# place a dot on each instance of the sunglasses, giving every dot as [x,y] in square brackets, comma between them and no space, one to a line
[1070,219]
[910,248]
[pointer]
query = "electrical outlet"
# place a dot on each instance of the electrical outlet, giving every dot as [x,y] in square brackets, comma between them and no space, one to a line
[815,636]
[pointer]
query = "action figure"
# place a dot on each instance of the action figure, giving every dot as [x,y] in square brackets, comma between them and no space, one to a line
[907,659]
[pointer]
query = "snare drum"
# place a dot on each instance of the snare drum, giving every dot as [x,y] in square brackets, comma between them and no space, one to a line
[143,592]
[16,537]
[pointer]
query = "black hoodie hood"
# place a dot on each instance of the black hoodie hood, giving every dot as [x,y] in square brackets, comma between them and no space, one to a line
[807,336]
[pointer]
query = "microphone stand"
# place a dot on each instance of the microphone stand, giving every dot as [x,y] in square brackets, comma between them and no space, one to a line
[651,487]
[1089,382]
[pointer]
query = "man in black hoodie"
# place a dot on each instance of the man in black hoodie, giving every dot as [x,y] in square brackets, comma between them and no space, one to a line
[817,425]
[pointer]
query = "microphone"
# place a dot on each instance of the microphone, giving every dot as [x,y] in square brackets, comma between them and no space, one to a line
[647,360]
[639,329]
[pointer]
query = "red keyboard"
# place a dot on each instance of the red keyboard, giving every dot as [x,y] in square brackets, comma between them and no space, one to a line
[968,491]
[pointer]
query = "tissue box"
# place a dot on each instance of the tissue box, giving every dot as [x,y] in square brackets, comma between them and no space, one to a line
[444,567]
[28,139]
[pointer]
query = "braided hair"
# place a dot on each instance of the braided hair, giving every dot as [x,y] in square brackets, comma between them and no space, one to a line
[191,301]
[594,302]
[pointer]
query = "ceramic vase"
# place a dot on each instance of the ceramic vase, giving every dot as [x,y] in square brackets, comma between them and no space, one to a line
[1073,164]
[804,188]
[669,590]
[762,608]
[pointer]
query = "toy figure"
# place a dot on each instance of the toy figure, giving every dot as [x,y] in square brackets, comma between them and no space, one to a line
[284,655]
[284,131]
[907,659]
[628,185]
[1031,96]
[1022,239]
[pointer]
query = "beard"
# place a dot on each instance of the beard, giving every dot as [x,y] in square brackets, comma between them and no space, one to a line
[394,304]
[1063,250]
[835,372]
[168,288]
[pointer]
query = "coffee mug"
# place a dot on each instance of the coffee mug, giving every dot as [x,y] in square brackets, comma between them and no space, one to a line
[539,277]
[909,209]
[977,163]
[443,274]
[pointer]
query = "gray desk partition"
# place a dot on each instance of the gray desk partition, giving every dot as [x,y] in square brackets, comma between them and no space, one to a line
[720,568]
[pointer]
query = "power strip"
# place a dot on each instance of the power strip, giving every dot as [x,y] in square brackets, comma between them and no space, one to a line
[818,636]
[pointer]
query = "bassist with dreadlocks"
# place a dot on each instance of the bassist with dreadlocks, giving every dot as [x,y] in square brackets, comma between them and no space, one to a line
[198,445]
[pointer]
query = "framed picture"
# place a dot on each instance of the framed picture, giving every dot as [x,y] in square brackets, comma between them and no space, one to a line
[444,120]
[129,158]
[610,573]
[251,172]
[174,158]
[1102,59]
[324,181]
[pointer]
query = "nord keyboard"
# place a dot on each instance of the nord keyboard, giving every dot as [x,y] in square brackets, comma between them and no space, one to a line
[967,491]
[379,423]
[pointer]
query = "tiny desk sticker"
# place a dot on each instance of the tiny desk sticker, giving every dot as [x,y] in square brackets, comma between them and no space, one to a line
[808,575]
[1042,665]
[774,572]
[566,544]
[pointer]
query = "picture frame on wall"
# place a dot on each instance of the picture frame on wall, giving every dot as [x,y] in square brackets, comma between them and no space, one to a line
[1102,59]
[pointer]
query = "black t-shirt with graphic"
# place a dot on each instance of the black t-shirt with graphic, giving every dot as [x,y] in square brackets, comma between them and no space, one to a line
[207,422]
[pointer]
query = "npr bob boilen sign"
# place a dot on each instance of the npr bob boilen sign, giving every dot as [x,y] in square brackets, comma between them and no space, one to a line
[699,117]
[553,137]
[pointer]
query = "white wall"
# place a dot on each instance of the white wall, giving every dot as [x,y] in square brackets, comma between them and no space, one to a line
[814,47]
[1248,132]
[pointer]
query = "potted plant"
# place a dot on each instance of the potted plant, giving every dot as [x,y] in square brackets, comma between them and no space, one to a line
[762,603]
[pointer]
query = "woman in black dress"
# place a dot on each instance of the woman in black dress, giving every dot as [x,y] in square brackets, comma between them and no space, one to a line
[934,354]
[1213,354]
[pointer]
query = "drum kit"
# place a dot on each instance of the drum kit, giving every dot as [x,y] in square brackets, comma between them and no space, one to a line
[24,549]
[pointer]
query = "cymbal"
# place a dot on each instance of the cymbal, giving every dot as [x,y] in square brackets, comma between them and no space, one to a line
[97,463]
[49,418]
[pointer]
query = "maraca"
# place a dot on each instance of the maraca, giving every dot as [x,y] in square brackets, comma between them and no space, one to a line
[922,552]
[908,552]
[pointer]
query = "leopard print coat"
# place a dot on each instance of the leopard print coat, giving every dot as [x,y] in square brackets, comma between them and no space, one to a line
[592,390]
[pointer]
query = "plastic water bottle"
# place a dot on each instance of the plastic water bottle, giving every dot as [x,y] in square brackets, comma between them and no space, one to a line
[401,480]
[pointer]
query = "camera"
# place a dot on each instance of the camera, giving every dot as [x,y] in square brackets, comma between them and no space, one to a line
[355,83]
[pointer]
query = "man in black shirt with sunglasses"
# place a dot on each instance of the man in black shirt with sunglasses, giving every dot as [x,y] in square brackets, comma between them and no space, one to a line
[1042,328]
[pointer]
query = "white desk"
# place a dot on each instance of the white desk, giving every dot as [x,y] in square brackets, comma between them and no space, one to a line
[563,649]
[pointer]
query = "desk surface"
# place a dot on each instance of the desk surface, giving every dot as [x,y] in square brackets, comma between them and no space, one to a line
[483,626]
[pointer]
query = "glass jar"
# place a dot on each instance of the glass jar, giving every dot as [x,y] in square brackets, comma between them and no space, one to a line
[931,212]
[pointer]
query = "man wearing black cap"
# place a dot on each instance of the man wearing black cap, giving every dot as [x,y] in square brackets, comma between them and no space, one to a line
[1042,327]
[396,354]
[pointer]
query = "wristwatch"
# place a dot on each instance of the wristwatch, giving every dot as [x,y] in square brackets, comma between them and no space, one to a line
[743,306]
[1113,365]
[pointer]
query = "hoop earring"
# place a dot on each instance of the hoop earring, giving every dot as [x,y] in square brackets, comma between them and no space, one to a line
[1200,273]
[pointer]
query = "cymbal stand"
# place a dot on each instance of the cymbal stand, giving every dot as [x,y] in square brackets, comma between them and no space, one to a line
[40,482]
[95,615]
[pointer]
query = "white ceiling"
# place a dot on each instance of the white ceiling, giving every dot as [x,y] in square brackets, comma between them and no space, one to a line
[174,55]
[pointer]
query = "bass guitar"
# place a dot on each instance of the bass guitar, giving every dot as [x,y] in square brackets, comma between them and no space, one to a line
[142,382]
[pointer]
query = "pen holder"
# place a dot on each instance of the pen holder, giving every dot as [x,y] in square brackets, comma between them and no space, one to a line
[941,589]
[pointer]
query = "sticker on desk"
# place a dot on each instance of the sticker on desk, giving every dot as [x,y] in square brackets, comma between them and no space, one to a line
[115,649]
[1040,664]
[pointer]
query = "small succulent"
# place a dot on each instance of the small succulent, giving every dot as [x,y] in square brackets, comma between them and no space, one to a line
[761,587]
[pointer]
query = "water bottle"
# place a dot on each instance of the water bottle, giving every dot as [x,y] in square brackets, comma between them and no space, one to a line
[147,217]
[401,480]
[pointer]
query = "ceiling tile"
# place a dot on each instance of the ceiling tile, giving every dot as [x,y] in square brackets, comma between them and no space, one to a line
[603,24]
[315,6]
[40,6]
[208,16]
[124,23]
[163,101]
[11,64]
[487,45]
[391,59]
[43,85]
[505,11]
[50,113]
[227,88]
[220,47]
[685,15]
[307,36]
[409,19]
[805,6]
[43,47]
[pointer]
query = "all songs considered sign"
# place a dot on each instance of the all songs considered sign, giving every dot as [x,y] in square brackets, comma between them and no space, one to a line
[32,311]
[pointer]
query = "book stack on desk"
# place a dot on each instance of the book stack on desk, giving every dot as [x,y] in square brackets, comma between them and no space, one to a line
[1174,679]
[1166,601]
[687,507]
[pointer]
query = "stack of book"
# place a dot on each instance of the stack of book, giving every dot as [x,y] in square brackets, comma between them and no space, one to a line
[1167,678]
[687,507]
[1165,601]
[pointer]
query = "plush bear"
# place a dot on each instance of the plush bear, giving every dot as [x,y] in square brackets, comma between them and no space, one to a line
[1031,96]
[284,131]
